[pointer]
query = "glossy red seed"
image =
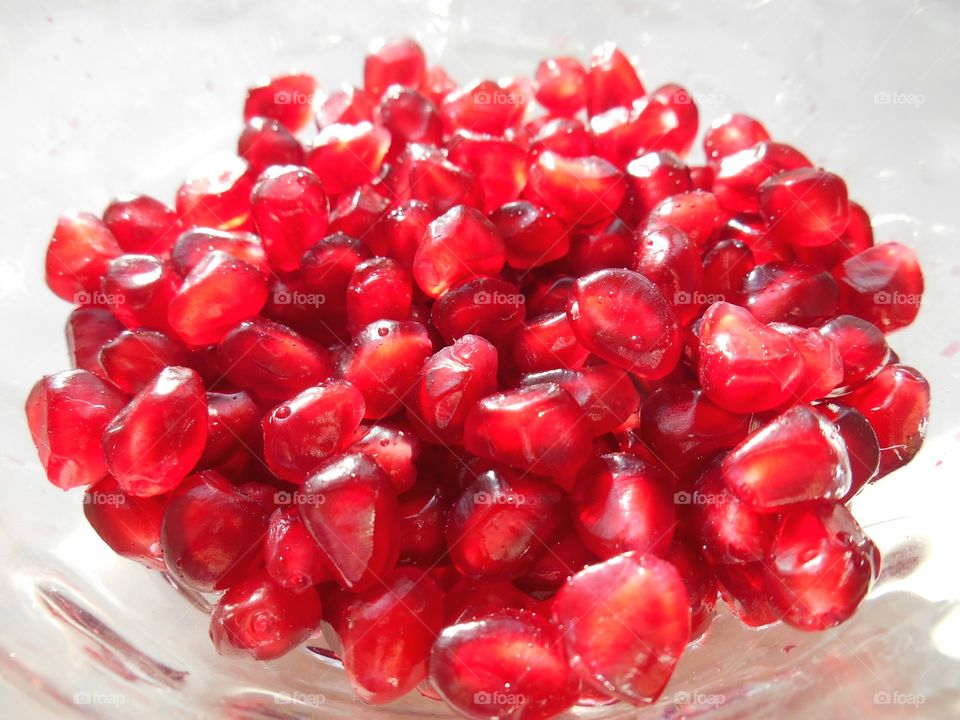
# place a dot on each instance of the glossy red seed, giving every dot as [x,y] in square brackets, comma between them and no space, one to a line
[290,209]
[564,136]
[138,289]
[509,664]
[258,618]
[502,522]
[211,532]
[681,119]
[701,583]
[134,357]
[882,284]
[725,266]
[742,588]
[347,104]
[753,233]
[796,458]
[470,599]
[383,363]
[387,636]
[379,289]
[300,433]
[293,559]
[684,428]
[157,439]
[862,346]
[580,190]
[533,235]
[67,414]
[142,224]
[861,442]
[740,174]
[458,245]
[498,165]
[622,503]
[219,292]
[88,329]
[265,142]
[546,343]
[732,133]
[625,623]
[437,84]
[697,213]
[745,366]
[623,318]
[233,426]
[536,428]
[790,292]
[489,307]
[605,393]
[563,558]
[823,367]
[78,255]
[410,117]
[326,270]
[194,245]
[668,258]
[729,530]
[807,207]
[286,98]
[656,176]
[484,106]
[400,231]
[216,196]
[350,508]
[344,157]
[397,62]
[129,525]
[395,448]
[451,382]
[270,361]
[561,85]
[896,402]
[602,246]
[612,80]
[548,294]
[821,567]
[439,182]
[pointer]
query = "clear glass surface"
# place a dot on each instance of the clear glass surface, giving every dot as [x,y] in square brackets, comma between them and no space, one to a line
[101,98]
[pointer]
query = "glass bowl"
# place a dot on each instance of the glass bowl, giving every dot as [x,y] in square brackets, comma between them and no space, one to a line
[105,98]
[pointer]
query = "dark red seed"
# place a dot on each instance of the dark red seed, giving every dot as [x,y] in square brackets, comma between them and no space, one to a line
[603,246]
[742,588]
[656,176]
[546,343]
[216,196]
[882,284]
[740,174]
[701,583]
[580,190]
[138,289]
[233,426]
[561,85]
[861,442]
[533,235]
[265,142]
[194,245]
[396,62]
[288,99]
[142,224]
[489,307]
[862,346]
[88,329]
[293,559]
[612,80]
[790,292]
[130,525]
[348,105]
[135,357]
[395,448]
[667,257]
[78,255]
[807,207]
[732,133]
[344,157]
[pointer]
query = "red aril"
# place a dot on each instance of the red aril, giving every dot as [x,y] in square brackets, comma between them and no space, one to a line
[725,267]
[409,117]
[396,62]
[347,105]
[861,442]
[656,176]
[790,292]
[742,589]
[379,289]
[138,289]
[561,85]
[290,210]
[823,367]
[498,165]
[807,207]
[265,142]
[732,133]
[216,195]
[667,257]
[740,174]
[395,448]
[344,157]
[546,343]
[697,213]
[489,307]
[862,346]
[563,558]
[194,245]
[533,235]
[701,583]
[399,232]
[358,214]
[78,255]
[293,559]
[233,426]
[603,246]
[134,357]
[564,136]
[883,284]
[142,224]
[484,106]
[130,525]
[88,329]
[286,98]
[580,190]
[612,80]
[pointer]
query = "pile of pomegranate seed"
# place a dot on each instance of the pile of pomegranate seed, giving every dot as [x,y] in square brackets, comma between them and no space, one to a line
[487,381]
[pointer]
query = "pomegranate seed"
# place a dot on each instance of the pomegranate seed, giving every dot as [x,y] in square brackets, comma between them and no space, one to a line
[701,177]
[483,106]
[293,559]
[387,636]
[732,133]
[697,213]
[625,623]
[862,346]
[656,176]
[211,532]
[821,567]
[347,105]
[547,343]
[533,235]
[510,664]
[157,439]
[882,284]
[729,530]
[806,207]
[233,425]
[398,62]
[563,136]
[600,247]
[400,231]
[259,618]
[291,213]
[563,558]
[380,289]
[623,318]
[138,289]
[489,307]
[725,267]
[622,503]
[350,508]
[265,142]
[611,80]
[471,599]
[194,245]
[422,517]
[561,86]
[287,99]
[790,292]
[141,224]
[681,120]
[135,357]
[823,367]
[499,166]
[217,196]
[502,522]
[684,429]
[300,433]
[67,414]
[129,525]
[742,588]
[271,361]
[326,271]
[344,157]
[896,402]
[458,245]
[753,233]
[440,183]
[78,255]
[535,428]
[667,257]
[700,581]
[740,174]
[410,117]
[548,295]
[220,292]
[744,365]
[88,330]
[797,457]
[580,190]
[861,442]
[395,448]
